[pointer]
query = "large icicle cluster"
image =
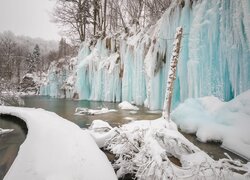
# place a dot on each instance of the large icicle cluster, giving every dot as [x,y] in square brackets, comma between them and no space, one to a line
[98,73]
[214,57]
[61,78]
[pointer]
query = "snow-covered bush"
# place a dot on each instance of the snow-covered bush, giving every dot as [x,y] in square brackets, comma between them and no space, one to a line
[9,95]
[145,149]
[11,99]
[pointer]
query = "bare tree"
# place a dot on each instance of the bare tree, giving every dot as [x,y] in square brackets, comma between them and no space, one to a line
[8,46]
[73,15]
[92,18]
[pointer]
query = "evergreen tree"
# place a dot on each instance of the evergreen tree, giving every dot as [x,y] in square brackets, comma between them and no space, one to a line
[62,48]
[33,60]
[30,63]
[36,57]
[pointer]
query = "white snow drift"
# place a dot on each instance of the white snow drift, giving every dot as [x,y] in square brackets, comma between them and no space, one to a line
[213,120]
[56,149]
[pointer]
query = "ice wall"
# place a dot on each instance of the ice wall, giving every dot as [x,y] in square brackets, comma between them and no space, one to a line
[214,59]
[60,81]
[98,73]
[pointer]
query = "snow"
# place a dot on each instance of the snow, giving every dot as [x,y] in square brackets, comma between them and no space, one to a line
[213,120]
[101,131]
[143,147]
[56,149]
[127,106]
[82,111]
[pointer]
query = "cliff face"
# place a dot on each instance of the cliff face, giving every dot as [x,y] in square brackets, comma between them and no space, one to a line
[214,59]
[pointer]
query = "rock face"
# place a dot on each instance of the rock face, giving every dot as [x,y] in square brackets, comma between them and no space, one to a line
[28,84]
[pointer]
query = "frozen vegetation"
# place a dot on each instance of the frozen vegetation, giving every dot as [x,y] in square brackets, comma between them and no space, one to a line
[214,58]
[9,95]
[213,120]
[146,149]
[56,149]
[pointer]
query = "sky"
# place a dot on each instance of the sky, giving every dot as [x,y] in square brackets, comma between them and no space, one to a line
[29,18]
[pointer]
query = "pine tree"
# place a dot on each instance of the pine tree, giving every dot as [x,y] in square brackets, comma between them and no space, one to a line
[36,57]
[33,60]
[30,63]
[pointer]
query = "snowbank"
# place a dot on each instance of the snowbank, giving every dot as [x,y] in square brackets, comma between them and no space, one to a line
[127,106]
[56,149]
[213,120]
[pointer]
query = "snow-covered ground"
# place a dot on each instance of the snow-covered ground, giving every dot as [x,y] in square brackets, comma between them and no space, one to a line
[213,120]
[56,149]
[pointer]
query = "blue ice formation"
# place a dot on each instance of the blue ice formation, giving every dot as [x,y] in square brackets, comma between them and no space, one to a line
[214,59]
[60,79]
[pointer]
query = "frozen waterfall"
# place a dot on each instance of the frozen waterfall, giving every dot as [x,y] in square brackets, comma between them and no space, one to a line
[214,59]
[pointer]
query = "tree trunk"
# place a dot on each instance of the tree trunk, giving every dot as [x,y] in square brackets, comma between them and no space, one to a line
[172,73]
[105,18]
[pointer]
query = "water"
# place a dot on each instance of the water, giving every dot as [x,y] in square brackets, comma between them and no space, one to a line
[66,109]
[10,143]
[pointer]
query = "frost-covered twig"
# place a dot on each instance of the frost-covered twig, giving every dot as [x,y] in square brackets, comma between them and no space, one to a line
[172,73]
[9,95]
[144,152]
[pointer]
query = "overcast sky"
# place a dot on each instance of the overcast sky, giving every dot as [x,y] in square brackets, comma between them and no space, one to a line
[28,17]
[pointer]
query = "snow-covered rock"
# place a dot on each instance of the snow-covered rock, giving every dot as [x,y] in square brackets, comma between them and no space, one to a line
[29,84]
[127,106]
[82,111]
[213,120]
[56,149]
[5,131]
